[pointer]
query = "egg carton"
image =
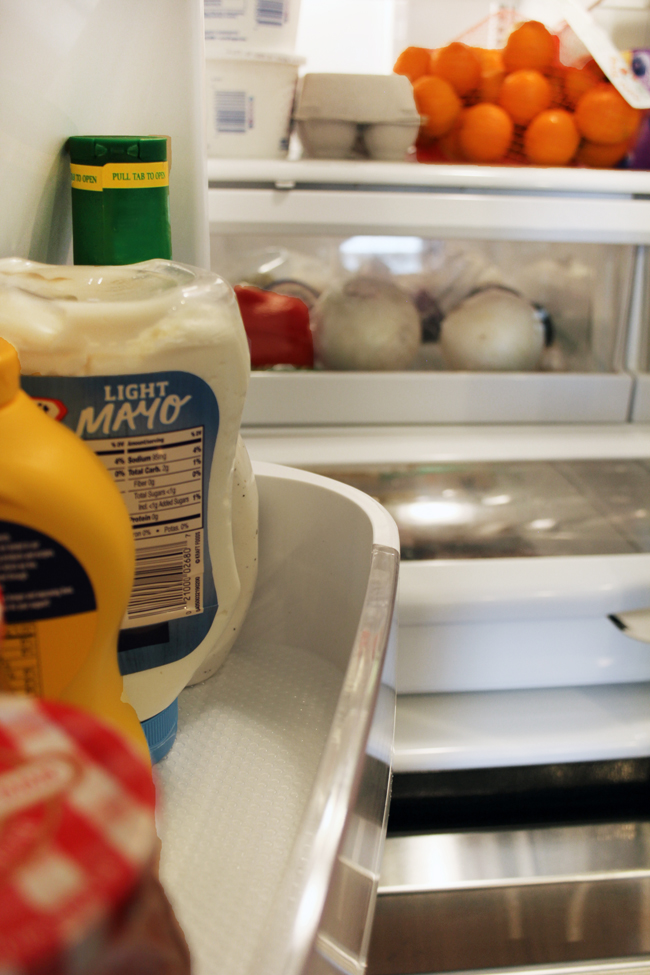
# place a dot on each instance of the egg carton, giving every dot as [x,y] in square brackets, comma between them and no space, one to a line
[339,116]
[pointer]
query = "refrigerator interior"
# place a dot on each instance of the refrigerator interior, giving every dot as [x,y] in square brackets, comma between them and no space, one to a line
[68,82]
[519,732]
[517,833]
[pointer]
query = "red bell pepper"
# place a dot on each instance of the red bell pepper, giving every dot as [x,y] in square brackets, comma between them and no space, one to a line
[277,327]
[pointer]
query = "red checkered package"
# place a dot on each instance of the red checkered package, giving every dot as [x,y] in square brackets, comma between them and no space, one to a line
[78,891]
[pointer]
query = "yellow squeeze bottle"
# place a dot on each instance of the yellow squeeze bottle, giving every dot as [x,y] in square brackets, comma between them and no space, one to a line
[66,562]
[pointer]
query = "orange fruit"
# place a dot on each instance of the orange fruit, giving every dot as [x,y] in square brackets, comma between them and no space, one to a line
[492,73]
[413,62]
[485,133]
[601,156]
[529,46]
[449,143]
[458,64]
[603,115]
[524,94]
[552,138]
[576,82]
[438,102]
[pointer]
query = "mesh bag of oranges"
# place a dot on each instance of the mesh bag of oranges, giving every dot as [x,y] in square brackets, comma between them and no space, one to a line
[519,103]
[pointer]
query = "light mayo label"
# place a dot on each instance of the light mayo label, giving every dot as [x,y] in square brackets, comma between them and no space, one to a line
[155,434]
[121,176]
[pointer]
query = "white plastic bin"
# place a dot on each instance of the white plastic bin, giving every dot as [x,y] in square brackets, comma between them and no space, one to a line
[274,797]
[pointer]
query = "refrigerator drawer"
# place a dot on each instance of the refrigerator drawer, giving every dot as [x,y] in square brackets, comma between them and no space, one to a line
[509,899]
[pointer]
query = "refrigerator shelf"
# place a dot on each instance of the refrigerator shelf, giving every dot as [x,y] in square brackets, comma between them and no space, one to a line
[326,398]
[553,179]
[251,196]
[275,794]
[496,729]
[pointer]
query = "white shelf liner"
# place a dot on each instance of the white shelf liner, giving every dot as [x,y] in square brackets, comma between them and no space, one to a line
[234,789]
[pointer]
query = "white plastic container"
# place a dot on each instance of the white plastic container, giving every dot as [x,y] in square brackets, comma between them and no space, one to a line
[252,25]
[249,98]
[149,364]
[333,111]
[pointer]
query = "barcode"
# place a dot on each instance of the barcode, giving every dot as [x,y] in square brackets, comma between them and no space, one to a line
[231,111]
[162,580]
[270,12]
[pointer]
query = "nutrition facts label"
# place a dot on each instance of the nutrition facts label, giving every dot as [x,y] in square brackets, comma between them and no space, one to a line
[160,478]
[19,671]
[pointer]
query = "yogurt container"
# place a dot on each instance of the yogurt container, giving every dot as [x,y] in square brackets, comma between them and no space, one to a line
[149,364]
[251,25]
[249,98]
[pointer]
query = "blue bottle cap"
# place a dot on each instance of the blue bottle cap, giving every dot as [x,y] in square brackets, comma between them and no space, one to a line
[160,731]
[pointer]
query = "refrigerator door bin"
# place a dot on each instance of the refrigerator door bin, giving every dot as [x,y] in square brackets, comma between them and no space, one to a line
[275,794]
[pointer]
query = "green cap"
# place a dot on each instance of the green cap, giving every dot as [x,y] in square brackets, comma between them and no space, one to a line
[120,198]
[95,150]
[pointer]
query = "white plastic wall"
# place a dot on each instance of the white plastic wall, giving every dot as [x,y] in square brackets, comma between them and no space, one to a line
[366,35]
[109,67]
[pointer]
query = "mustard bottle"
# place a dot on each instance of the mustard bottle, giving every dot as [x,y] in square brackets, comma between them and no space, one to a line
[66,562]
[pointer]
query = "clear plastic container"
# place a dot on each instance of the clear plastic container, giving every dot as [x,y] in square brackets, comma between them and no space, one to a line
[576,296]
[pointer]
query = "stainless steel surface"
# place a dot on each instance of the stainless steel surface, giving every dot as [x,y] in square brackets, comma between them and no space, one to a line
[617,966]
[474,900]
[507,509]
[449,861]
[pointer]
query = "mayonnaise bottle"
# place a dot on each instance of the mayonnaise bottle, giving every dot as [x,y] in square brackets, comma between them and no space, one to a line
[149,364]
[66,562]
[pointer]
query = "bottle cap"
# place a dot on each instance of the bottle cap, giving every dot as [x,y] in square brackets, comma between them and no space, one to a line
[9,372]
[160,731]
[97,150]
